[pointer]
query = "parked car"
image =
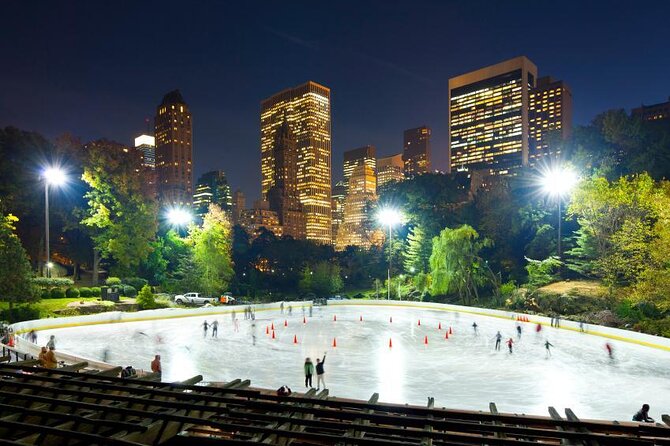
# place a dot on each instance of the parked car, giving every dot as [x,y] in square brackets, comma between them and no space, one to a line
[193,299]
[227,299]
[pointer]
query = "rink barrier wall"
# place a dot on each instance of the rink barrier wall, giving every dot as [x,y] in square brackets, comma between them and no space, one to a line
[149,315]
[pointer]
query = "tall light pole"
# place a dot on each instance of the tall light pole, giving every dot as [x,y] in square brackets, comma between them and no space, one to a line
[389,217]
[56,177]
[558,183]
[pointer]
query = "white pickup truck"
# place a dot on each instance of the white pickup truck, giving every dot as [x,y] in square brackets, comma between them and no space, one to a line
[194,299]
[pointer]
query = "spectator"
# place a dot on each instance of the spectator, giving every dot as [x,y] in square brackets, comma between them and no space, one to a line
[50,359]
[156,365]
[42,357]
[643,415]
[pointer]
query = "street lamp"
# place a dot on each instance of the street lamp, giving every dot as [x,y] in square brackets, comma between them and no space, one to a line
[53,176]
[179,217]
[389,217]
[558,183]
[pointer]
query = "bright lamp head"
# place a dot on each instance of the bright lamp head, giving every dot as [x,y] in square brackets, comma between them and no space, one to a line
[179,217]
[54,176]
[559,182]
[389,216]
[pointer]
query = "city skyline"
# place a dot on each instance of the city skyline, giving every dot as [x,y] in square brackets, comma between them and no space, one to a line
[95,101]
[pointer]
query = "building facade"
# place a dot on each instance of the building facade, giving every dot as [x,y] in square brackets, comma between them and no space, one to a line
[212,188]
[550,118]
[146,146]
[239,204]
[260,217]
[338,196]
[174,151]
[365,155]
[283,195]
[655,112]
[355,229]
[390,169]
[416,151]
[307,110]
[489,117]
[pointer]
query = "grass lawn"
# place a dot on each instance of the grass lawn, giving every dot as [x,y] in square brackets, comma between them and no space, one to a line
[47,307]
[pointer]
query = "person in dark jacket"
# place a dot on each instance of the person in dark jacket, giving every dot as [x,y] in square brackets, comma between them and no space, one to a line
[309,371]
[320,378]
[643,415]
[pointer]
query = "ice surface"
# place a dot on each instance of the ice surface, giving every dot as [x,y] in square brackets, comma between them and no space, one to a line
[463,372]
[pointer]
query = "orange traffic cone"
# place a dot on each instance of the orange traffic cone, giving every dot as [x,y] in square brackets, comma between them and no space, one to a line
[295,339]
[439,325]
[391,320]
[425,340]
[334,318]
[390,343]
[451,331]
[267,330]
[419,324]
[285,323]
[334,342]
[273,334]
[304,320]
[446,334]
[272,327]
[361,318]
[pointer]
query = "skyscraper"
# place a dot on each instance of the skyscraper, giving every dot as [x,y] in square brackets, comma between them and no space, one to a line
[239,204]
[355,229]
[174,151]
[390,169]
[416,151]
[307,110]
[212,188]
[358,157]
[550,118]
[488,117]
[146,145]
[338,196]
[283,195]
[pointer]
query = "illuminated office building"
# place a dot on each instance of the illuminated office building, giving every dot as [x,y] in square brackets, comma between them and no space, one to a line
[390,169]
[283,195]
[212,187]
[239,204]
[260,217]
[338,195]
[146,145]
[307,110]
[416,151]
[357,157]
[356,229]
[489,117]
[550,118]
[655,112]
[174,151]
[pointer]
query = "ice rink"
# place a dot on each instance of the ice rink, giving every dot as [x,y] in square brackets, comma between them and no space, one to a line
[463,372]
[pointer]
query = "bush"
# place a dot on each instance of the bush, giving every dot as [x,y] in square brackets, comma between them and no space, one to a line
[72,293]
[45,294]
[49,282]
[135,282]
[95,291]
[111,281]
[20,313]
[84,292]
[659,327]
[146,299]
[57,293]
[129,291]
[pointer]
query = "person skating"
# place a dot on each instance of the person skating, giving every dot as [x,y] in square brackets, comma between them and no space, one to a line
[215,328]
[498,340]
[205,327]
[547,346]
[309,371]
[281,307]
[52,342]
[642,415]
[518,331]
[610,350]
[320,372]
[557,322]
[156,365]
[310,310]
[510,343]
[474,327]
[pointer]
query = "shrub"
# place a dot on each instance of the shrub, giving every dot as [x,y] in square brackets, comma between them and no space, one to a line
[95,291]
[659,327]
[20,313]
[135,282]
[146,299]
[45,294]
[49,282]
[129,291]
[84,292]
[57,293]
[72,293]
[111,281]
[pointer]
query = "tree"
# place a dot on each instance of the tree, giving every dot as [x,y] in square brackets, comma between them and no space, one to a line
[212,251]
[122,218]
[145,298]
[15,271]
[542,272]
[417,254]
[456,265]
[323,280]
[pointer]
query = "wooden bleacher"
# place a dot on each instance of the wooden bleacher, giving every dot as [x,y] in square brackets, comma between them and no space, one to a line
[67,406]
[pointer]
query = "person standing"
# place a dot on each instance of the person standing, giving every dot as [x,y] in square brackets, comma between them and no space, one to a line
[498,340]
[320,372]
[309,371]
[281,307]
[518,331]
[52,342]
[215,328]
[205,326]
[156,365]
[474,327]
[510,343]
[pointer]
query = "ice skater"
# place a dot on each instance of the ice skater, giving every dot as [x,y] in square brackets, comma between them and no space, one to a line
[518,331]
[498,340]
[236,325]
[215,328]
[232,316]
[538,328]
[290,310]
[253,333]
[557,322]
[320,372]
[474,327]
[32,336]
[51,345]
[510,343]
[310,310]
[581,326]
[547,349]
[281,307]
[610,350]
[309,371]
[205,327]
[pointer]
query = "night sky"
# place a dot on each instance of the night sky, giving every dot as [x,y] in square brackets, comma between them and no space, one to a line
[98,69]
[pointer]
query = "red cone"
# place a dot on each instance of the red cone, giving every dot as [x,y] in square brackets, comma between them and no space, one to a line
[391,320]
[267,330]
[439,326]
[451,331]
[419,324]
[273,334]
[304,320]
[361,318]
[272,327]
[334,318]
[285,323]
[425,340]
[446,334]
[295,339]
[334,342]
[390,343]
